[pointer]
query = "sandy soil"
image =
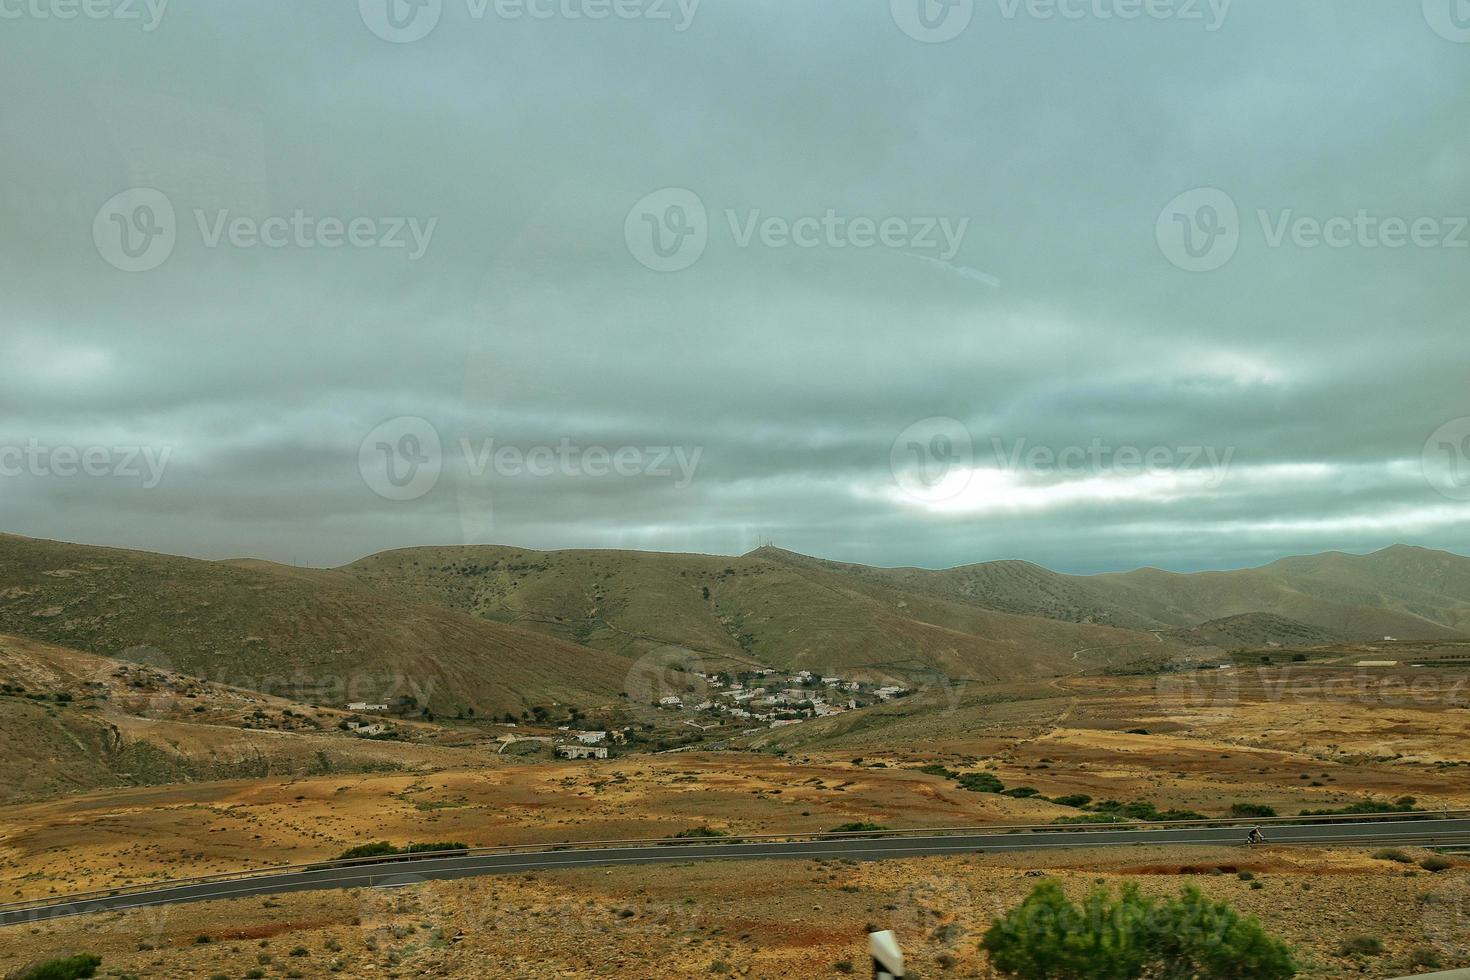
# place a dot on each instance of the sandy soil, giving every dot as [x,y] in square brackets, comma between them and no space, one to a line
[766,919]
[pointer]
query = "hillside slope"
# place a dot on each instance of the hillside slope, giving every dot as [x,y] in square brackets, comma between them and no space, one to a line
[758,609]
[73,721]
[1412,593]
[1004,620]
[1254,630]
[315,638]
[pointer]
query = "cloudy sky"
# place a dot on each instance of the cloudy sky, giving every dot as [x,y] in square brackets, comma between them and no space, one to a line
[1094,283]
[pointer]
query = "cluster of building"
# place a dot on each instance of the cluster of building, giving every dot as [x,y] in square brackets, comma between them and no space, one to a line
[586,745]
[763,696]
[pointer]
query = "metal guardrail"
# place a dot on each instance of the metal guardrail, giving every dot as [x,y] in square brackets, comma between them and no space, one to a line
[657,842]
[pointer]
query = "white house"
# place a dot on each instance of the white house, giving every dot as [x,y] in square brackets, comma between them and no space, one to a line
[582,751]
[591,738]
[365,706]
[672,701]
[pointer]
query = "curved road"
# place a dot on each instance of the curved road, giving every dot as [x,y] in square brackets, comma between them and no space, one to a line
[401,873]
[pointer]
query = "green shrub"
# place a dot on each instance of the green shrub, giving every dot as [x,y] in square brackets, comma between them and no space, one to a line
[1077,800]
[935,769]
[1240,810]
[1360,946]
[384,849]
[1143,810]
[856,828]
[1425,958]
[68,968]
[696,833]
[436,846]
[1090,818]
[1022,792]
[980,782]
[1047,938]
[1367,806]
[1436,864]
[1393,854]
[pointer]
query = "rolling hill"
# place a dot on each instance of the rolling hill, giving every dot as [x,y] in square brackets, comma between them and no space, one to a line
[501,629]
[315,637]
[1411,593]
[759,609]
[1004,620]
[73,721]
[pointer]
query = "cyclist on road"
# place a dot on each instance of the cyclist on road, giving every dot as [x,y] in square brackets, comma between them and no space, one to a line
[1255,836]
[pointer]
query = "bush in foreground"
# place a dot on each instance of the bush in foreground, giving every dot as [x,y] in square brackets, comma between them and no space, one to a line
[1242,810]
[68,968]
[384,849]
[1047,937]
[856,828]
[698,833]
[1392,854]
[1360,946]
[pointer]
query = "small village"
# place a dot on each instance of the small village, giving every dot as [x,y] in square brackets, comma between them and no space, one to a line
[763,695]
[706,703]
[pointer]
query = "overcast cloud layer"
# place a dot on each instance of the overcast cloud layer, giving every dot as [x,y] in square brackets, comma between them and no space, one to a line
[1036,310]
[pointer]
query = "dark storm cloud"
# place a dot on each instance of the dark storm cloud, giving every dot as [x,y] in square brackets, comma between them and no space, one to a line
[785,375]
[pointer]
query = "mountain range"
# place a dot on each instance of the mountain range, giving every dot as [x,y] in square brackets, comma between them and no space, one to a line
[495,628]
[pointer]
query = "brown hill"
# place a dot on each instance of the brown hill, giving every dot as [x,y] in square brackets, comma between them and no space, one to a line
[315,637]
[1413,593]
[73,721]
[1254,630]
[994,621]
[765,608]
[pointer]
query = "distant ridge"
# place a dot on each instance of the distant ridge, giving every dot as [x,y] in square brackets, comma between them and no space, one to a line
[498,628]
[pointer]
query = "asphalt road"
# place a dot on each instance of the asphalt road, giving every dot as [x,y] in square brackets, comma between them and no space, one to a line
[401,873]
